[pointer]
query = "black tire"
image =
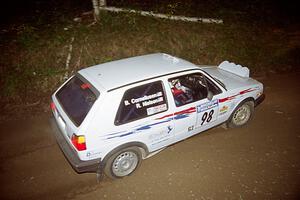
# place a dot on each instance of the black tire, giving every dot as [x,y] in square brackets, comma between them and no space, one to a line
[123,163]
[241,115]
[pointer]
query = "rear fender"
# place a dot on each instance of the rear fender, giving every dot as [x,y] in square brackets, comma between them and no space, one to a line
[142,147]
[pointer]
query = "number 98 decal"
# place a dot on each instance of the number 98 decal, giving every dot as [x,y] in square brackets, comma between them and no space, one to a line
[207,117]
[207,112]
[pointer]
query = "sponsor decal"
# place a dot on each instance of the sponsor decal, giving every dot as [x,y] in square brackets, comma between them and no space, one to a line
[223,110]
[137,130]
[170,128]
[175,116]
[190,128]
[156,109]
[207,106]
[92,154]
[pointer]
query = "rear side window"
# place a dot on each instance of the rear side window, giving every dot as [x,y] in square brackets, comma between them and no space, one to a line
[76,98]
[142,101]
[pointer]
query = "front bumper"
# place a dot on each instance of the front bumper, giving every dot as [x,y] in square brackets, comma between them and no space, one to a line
[78,165]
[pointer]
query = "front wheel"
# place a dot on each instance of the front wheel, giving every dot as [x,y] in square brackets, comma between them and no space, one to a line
[241,115]
[123,163]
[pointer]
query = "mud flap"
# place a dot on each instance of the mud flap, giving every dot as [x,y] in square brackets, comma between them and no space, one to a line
[99,172]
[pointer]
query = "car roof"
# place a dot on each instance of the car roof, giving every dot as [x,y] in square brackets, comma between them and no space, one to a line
[115,74]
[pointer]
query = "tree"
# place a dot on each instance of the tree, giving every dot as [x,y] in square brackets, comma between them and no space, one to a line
[96,4]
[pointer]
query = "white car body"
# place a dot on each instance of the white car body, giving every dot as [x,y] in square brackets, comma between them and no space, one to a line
[165,122]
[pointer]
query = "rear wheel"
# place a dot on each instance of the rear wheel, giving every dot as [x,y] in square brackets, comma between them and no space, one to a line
[123,163]
[241,115]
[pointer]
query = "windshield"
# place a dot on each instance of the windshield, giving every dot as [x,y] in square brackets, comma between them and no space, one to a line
[220,82]
[76,98]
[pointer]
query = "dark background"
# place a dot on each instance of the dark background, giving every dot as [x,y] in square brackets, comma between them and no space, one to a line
[271,11]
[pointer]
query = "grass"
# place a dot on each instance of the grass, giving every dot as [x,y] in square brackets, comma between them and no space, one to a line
[34,54]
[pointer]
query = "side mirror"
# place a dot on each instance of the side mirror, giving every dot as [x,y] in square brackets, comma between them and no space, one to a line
[210,95]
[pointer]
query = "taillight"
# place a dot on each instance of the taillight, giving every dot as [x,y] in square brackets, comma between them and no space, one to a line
[79,142]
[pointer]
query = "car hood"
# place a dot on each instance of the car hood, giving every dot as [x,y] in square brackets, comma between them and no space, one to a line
[230,80]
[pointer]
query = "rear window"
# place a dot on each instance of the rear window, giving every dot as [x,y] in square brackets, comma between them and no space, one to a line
[77,97]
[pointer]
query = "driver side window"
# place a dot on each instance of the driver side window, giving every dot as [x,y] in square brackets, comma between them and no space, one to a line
[188,88]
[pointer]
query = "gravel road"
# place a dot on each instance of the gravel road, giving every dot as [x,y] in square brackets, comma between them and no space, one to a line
[259,161]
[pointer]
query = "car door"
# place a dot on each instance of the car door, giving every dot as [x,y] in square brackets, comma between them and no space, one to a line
[209,109]
[141,113]
[193,111]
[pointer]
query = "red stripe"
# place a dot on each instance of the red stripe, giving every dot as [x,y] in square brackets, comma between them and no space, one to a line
[246,91]
[223,100]
[169,115]
[186,111]
[189,110]
[240,93]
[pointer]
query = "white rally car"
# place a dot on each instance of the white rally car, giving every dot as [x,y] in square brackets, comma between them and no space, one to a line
[110,116]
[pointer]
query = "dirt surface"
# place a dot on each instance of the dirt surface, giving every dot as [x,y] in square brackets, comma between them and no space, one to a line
[259,161]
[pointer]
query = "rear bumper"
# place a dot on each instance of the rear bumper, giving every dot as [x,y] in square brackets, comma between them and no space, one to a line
[260,99]
[78,165]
